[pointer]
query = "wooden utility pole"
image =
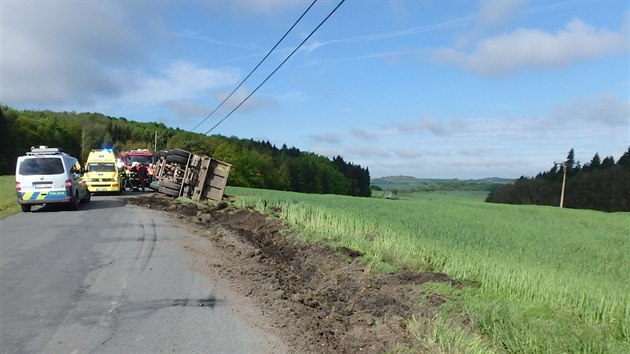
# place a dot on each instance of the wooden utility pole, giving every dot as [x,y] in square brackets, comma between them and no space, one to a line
[564,182]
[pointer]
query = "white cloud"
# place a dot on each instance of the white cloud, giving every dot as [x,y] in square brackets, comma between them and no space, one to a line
[178,80]
[363,134]
[387,36]
[606,108]
[496,12]
[407,152]
[428,125]
[255,102]
[533,48]
[188,109]
[325,138]
[255,7]
[62,52]
[94,54]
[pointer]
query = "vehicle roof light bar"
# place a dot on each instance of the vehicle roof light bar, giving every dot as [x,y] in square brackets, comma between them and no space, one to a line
[44,150]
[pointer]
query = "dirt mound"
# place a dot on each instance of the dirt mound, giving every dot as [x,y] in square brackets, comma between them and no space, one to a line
[321,299]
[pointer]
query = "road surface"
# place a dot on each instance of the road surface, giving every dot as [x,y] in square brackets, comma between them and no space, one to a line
[110,278]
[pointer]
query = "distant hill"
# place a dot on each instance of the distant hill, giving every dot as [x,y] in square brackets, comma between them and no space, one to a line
[408,183]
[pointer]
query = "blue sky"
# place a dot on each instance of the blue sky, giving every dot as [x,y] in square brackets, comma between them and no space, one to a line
[442,89]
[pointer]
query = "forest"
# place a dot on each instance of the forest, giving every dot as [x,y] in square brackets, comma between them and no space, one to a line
[256,164]
[598,184]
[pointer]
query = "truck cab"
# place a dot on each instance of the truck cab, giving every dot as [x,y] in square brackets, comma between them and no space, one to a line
[139,157]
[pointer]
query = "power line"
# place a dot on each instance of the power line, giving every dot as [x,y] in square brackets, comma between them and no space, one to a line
[279,66]
[259,63]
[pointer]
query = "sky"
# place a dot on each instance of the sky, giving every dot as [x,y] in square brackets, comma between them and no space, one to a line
[430,89]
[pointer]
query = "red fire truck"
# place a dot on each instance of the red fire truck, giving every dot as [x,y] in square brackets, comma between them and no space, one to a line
[138,157]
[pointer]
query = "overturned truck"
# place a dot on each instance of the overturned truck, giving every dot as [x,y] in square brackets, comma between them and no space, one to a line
[179,173]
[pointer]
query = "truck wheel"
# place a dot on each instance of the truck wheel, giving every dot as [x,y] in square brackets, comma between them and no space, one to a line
[170,185]
[176,158]
[168,191]
[26,207]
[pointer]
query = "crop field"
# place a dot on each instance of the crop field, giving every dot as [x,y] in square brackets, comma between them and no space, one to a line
[8,200]
[537,279]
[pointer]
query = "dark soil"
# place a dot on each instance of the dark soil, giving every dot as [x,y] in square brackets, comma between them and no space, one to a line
[320,299]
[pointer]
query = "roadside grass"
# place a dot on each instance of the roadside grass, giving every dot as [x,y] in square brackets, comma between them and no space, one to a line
[542,279]
[8,201]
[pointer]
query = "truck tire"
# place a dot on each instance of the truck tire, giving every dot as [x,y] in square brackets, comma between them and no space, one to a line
[179,152]
[176,158]
[168,191]
[170,185]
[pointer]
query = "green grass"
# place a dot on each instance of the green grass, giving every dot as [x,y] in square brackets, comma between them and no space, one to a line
[8,199]
[548,280]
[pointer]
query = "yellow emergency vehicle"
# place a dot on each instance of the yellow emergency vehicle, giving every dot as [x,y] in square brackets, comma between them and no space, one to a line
[102,171]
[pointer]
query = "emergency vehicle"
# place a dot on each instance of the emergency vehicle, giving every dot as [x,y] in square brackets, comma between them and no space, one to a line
[49,175]
[141,157]
[101,171]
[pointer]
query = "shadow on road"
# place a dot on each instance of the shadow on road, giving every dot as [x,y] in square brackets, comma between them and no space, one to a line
[98,201]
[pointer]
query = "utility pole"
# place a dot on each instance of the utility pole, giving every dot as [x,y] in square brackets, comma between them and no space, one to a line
[564,182]
[155,142]
[565,167]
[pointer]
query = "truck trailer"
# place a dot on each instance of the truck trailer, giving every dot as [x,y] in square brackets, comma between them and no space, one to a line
[180,173]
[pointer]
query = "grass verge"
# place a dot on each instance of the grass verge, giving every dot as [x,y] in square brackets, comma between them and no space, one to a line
[8,201]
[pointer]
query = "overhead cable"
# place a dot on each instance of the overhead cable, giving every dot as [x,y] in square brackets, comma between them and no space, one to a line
[254,69]
[279,66]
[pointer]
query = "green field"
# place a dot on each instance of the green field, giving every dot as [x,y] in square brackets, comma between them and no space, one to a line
[542,279]
[8,200]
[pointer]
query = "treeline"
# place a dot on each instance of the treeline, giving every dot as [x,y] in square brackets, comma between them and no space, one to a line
[256,164]
[599,185]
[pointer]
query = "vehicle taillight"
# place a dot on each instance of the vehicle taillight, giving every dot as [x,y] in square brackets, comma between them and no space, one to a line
[18,188]
[69,191]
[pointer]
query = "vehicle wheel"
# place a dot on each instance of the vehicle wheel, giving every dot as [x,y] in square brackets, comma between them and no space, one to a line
[26,207]
[74,203]
[179,152]
[170,185]
[168,191]
[176,158]
[87,198]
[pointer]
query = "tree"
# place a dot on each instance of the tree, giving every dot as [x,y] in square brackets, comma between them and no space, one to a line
[605,188]
[624,160]
[595,163]
[608,162]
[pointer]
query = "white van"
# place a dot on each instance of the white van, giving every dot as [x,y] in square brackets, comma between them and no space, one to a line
[49,175]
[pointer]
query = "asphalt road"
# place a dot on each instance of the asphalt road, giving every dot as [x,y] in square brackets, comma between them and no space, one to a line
[110,278]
